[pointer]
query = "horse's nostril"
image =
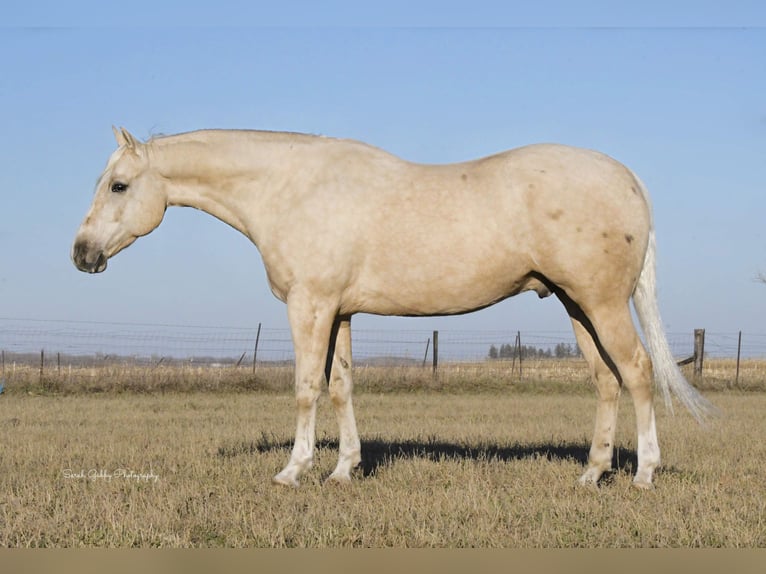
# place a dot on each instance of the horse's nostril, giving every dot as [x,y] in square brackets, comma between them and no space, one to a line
[100,263]
[78,254]
[88,259]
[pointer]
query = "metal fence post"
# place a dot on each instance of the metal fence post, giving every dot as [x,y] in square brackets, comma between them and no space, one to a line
[255,349]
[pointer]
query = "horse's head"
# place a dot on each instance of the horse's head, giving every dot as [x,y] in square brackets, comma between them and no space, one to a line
[130,201]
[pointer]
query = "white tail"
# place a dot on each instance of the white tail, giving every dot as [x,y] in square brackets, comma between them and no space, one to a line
[667,376]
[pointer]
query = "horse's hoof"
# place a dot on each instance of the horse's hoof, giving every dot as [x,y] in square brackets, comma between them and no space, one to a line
[338,479]
[590,478]
[285,481]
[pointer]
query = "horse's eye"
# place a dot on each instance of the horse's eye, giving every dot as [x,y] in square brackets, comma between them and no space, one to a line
[118,187]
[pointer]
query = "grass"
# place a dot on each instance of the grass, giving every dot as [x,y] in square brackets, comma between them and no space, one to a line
[538,375]
[442,468]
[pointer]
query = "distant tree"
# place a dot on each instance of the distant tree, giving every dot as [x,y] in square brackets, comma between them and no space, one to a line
[562,350]
[530,352]
[566,351]
[509,351]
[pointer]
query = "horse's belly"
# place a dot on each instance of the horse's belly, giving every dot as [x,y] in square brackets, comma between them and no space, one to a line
[452,289]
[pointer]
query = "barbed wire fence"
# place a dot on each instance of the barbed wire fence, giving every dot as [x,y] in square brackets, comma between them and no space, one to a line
[81,341]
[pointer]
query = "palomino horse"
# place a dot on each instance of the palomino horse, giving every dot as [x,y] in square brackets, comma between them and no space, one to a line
[346,228]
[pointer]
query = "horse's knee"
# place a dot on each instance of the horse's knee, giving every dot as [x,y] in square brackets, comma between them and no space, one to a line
[607,385]
[641,376]
[306,395]
[338,399]
[340,383]
[340,390]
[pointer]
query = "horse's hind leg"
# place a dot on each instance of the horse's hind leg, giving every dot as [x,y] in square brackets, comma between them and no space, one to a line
[622,350]
[341,386]
[608,389]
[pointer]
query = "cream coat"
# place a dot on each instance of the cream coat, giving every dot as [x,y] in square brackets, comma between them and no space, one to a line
[345,228]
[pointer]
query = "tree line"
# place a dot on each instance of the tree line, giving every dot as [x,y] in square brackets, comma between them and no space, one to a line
[508,351]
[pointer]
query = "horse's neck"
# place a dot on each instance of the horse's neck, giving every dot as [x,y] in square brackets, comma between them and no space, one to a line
[230,176]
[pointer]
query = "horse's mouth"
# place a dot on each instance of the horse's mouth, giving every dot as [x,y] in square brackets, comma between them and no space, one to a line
[88,259]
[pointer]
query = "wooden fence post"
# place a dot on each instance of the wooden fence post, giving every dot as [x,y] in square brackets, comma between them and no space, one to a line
[425,355]
[699,351]
[436,351]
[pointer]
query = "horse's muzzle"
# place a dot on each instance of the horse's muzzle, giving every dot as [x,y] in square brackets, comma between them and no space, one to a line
[87,258]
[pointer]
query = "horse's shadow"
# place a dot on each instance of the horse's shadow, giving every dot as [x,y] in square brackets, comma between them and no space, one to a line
[379,453]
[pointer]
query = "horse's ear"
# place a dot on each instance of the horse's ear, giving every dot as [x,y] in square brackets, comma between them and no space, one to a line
[124,138]
[118,136]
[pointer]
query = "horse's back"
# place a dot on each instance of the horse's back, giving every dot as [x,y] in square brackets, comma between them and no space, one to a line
[452,238]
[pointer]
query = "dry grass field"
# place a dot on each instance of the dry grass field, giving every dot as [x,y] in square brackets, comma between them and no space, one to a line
[469,460]
[537,375]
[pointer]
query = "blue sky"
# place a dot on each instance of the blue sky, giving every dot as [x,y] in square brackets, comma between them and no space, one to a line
[676,93]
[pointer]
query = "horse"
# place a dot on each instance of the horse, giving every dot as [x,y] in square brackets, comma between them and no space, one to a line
[344,227]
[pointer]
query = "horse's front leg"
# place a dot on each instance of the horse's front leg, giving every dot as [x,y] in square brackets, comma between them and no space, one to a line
[311,322]
[340,393]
